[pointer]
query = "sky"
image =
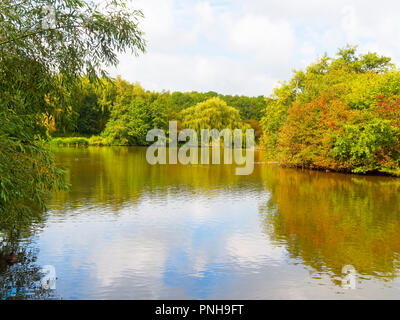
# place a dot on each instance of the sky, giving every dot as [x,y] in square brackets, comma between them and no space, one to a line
[246,47]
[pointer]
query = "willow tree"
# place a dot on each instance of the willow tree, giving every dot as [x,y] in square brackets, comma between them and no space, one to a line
[213,113]
[45,45]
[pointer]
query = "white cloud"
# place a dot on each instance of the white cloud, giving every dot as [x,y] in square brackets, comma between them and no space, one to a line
[245,47]
[267,41]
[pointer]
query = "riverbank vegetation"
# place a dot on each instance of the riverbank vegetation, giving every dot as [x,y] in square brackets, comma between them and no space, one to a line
[340,114]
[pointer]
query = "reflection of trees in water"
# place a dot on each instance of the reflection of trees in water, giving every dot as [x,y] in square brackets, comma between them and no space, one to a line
[332,220]
[119,176]
[112,178]
[20,279]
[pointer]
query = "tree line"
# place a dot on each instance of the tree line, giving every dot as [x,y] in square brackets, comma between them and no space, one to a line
[116,112]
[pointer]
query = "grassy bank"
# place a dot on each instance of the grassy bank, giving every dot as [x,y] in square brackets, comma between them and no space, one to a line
[92,141]
[75,141]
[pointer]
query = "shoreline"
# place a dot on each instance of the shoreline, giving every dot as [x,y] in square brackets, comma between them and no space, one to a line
[84,142]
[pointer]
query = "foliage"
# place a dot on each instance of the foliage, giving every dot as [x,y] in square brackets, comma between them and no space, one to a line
[340,114]
[133,114]
[112,109]
[121,113]
[39,64]
[211,114]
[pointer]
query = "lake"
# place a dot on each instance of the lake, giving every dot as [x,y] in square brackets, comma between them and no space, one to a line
[129,230]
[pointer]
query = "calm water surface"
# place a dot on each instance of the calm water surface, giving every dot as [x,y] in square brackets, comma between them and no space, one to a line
[128,230]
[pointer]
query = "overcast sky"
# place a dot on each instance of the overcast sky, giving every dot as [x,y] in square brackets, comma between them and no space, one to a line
[247,46]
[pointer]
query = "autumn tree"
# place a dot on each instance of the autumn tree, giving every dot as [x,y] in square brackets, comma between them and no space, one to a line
[340,114]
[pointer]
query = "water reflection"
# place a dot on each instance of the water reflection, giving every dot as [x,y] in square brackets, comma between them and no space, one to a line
[127,229]
[20,278]
[120,174]
[333,220]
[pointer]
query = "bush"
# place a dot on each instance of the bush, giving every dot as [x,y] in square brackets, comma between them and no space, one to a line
[96,141]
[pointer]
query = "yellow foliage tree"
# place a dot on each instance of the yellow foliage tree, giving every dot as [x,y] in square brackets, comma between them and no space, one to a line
[213,113]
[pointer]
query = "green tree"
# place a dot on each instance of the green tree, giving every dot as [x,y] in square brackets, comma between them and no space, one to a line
[134,112]
[42,53]
[211,114]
